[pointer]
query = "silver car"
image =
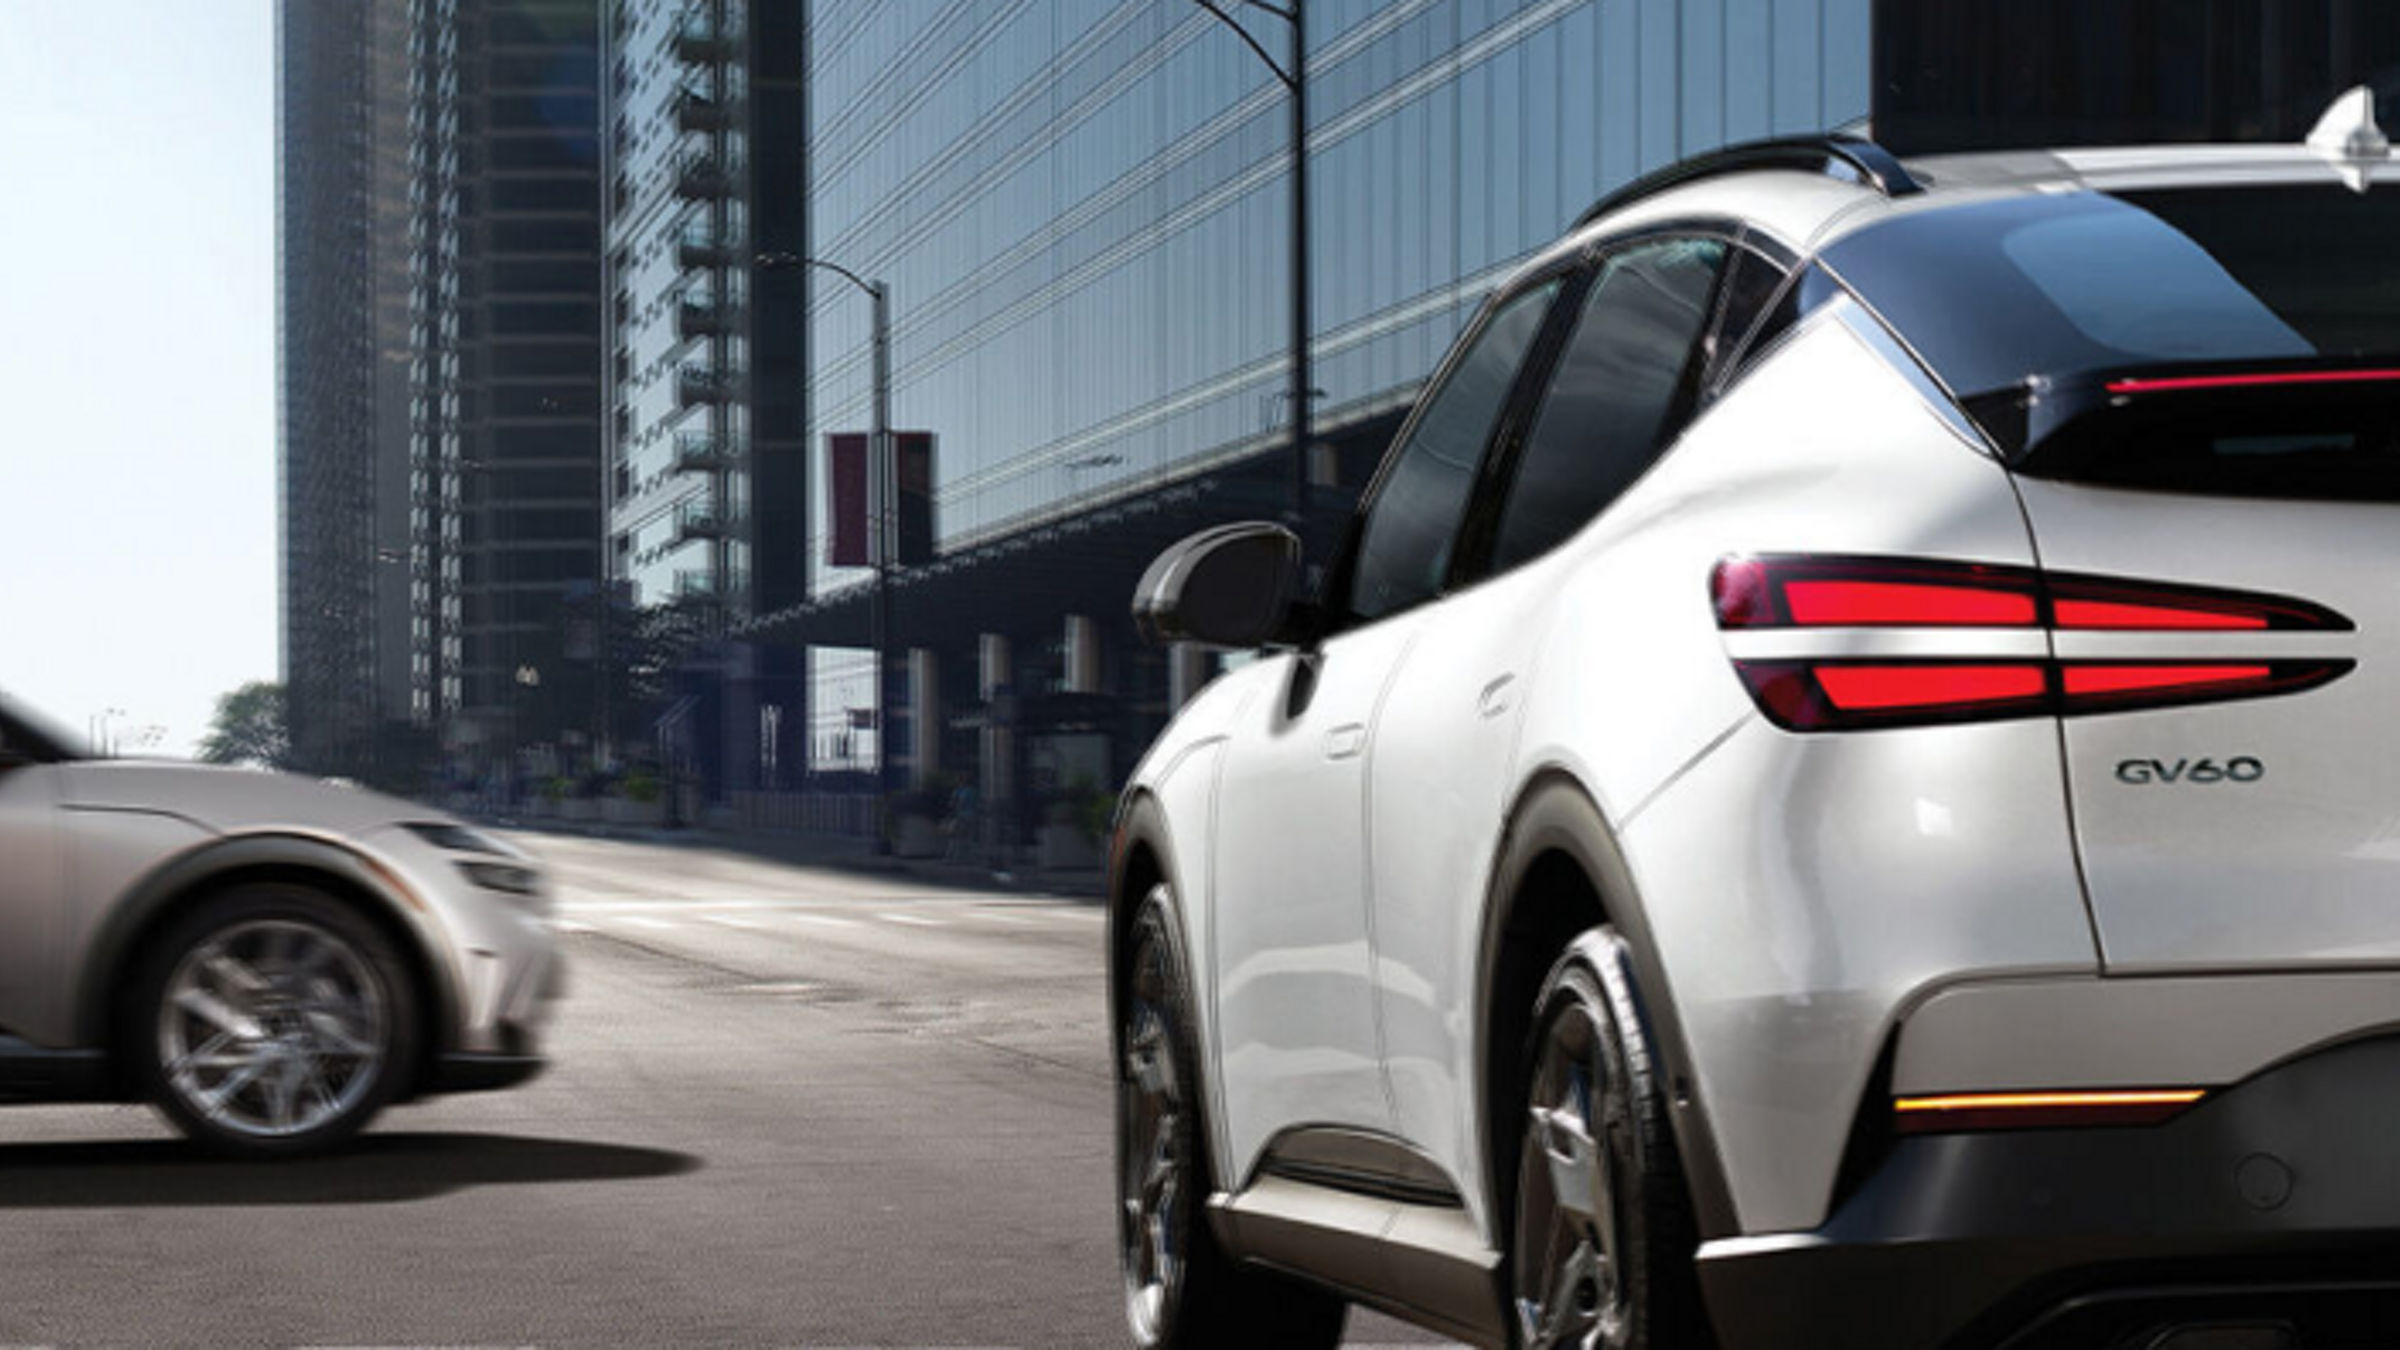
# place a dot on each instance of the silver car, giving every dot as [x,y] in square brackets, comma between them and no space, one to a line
[270,959]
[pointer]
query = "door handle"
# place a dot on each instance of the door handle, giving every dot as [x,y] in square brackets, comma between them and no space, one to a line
[1497,697]
[1344,742]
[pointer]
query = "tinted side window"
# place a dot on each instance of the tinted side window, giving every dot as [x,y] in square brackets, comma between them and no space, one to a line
[1404,550]
[1801,296]
[1753,282]
[1622,380]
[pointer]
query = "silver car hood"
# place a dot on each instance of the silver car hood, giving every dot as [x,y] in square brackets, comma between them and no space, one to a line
[229,800]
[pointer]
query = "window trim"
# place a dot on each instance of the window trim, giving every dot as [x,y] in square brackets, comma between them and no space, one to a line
[1574,274]
[1728,365]
[1689,403]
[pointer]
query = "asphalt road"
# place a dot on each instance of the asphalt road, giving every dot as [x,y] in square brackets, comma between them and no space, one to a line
[789,1107]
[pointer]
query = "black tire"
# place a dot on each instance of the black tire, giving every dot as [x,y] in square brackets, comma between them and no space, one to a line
[310,960]
[1182,1290]
[1590,1069]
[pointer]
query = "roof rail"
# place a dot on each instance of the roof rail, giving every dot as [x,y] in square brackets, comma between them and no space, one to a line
[1839,156]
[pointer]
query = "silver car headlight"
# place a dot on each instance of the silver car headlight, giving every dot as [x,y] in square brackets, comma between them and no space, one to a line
[497,866]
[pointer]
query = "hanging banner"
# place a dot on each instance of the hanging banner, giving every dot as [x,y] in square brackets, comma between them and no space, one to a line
[914,547]
[850,536]
[846,499]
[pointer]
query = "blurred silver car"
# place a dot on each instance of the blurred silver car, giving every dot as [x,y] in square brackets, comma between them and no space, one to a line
[270,959]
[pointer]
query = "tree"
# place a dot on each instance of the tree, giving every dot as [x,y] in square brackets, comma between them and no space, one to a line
[251,727]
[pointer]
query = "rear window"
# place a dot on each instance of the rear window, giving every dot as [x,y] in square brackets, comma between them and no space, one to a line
[1995,294]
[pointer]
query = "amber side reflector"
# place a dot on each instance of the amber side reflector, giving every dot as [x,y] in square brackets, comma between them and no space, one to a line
[2039,1110]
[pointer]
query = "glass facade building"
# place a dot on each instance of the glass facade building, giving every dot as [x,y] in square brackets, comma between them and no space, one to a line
[342,145]
[505,311]
[706,126]
[1082,209]
[440,241]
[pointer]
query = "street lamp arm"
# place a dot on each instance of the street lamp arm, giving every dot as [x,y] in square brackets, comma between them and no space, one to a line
[775,261]
[1230,22]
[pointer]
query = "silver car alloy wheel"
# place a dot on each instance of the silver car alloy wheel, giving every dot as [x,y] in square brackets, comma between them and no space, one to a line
[1570,1287]
[272,1028]
[1150,1115]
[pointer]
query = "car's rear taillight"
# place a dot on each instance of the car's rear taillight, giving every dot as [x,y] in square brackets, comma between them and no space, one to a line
[1833,693]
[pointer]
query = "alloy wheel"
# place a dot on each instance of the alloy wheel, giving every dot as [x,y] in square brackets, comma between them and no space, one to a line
[272,1028]
[1570,1281]
[1150,1146]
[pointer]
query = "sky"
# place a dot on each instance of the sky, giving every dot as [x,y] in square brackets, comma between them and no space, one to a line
[137,358]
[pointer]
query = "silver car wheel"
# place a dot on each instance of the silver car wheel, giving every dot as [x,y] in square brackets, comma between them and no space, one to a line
[272,1028]
[1150,1119]
[1570,1289]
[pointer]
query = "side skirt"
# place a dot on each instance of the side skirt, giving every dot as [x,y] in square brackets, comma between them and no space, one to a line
[1422,1262]
[31,1073]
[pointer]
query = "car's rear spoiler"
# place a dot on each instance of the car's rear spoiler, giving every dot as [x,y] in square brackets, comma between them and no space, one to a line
[2073,426]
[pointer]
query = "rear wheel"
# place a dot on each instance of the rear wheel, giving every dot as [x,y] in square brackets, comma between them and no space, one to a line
[272,1021]
[1183,1291]
[1602,1258]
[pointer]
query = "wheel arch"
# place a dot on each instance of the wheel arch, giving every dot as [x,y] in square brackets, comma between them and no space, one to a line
[175,887]
[1558,872]
[1141,857]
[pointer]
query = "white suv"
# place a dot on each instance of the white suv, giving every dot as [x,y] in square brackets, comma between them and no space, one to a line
[1838,794]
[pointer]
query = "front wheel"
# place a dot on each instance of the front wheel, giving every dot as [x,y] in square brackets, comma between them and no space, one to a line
[272,1021]
[1183,1291]
[1604,1234]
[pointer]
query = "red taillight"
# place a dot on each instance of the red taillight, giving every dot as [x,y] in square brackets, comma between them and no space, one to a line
[2115,614]
[2090,679]
[1873,688]
[1837,604]
[1870,593]
[1788,592]
[1829,694]
[1850,695]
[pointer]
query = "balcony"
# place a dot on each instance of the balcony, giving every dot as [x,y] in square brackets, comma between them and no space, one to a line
[702,520]
[696,111]
[703,246]
[698,316]
[696,384]
[705,452]
[703,39]
[705,178]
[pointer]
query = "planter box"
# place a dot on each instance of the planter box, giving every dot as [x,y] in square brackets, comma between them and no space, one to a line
[1064,848]
[625,811]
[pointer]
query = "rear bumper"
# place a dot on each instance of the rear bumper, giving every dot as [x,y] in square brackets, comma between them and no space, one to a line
[2274,1201]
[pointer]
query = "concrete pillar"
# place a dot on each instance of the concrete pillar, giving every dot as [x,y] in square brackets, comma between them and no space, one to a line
[997,788]
[924,717]
[1083,655]
[1190,667]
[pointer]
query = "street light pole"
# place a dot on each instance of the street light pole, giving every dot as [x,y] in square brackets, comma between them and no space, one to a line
[883,483]
[1294,78]
[883,480]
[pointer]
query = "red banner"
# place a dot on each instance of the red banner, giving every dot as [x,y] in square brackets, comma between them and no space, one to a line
[846,499]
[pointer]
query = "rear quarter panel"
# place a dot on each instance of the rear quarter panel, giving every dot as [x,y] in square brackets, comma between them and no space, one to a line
[1801,889]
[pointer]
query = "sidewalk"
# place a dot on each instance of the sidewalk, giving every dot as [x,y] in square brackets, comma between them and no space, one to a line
[841,852]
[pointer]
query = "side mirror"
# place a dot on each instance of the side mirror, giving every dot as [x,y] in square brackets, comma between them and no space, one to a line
[1231,586]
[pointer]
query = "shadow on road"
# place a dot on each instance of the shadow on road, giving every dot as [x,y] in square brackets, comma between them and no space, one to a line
[378,1169]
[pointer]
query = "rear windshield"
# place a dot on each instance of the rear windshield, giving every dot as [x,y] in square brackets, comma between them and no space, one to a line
[1994,294]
